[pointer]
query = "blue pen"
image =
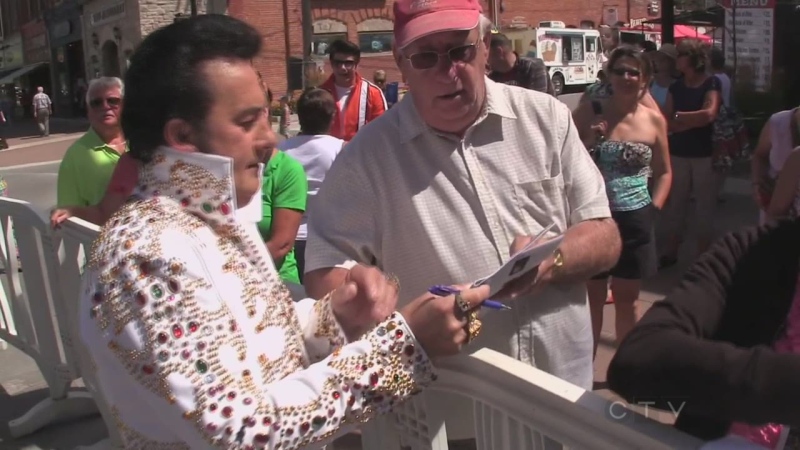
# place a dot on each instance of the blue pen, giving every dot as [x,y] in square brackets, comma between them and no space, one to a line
[447,290]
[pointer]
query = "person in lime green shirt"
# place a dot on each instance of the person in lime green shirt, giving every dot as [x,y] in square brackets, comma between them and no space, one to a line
[283,196]
[87,166]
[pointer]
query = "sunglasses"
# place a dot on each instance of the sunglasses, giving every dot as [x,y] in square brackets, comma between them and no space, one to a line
[112,102]
[345,64]
[428,60]
[635,73]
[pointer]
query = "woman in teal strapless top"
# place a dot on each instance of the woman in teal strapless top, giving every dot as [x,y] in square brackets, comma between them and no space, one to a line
[628,142]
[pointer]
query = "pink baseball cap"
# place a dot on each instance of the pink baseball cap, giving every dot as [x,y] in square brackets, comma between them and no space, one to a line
[414,19]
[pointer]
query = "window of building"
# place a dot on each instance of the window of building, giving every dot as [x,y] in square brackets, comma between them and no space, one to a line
[321,42]
[375,41]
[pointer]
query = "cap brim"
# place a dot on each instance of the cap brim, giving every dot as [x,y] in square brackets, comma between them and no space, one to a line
[436,22]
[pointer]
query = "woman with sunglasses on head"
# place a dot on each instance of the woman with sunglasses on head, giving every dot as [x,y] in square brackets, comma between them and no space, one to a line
[692,106]
[629,143]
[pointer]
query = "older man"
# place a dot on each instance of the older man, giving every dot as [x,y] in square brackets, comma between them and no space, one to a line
[87,166]
[445,186]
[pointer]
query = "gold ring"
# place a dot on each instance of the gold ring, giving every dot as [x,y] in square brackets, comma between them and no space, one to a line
[462,304]
[392,279]
[474,326]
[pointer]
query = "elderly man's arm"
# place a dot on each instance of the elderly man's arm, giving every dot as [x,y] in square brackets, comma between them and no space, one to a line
[592,243]
[217,382]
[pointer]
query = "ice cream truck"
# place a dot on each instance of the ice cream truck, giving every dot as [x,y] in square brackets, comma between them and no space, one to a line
[572,55]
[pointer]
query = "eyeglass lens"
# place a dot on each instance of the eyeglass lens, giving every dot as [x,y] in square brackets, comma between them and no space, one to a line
[427,60]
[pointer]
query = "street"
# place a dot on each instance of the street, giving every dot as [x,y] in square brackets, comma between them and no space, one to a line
[31,174]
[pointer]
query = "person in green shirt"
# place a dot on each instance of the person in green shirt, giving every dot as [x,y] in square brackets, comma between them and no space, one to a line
[87,166]
[283,197]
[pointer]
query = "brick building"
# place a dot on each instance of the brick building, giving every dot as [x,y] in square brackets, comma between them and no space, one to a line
[369,23]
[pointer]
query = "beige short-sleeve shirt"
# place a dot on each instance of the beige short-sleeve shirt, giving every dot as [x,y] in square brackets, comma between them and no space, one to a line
[436,209]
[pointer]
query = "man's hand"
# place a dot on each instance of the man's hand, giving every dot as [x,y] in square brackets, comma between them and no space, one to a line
[58,216]
[366,297]
[531,281]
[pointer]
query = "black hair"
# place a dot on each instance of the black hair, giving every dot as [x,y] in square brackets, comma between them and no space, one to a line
[315,111]
[629,51]
[344,48]
[649,46]
[499,40]
[717,59]
[163,81]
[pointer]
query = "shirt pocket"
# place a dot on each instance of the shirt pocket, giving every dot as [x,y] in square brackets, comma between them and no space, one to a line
[540,203]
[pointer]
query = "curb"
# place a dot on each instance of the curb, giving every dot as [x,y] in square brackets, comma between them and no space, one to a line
[37,142]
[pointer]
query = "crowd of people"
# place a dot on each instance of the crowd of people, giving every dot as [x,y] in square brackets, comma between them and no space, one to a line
[206,219]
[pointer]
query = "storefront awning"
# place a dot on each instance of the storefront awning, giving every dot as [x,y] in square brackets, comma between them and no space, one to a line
[19,72]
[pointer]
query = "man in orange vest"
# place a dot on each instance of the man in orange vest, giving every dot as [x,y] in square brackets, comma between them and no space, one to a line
[358,100]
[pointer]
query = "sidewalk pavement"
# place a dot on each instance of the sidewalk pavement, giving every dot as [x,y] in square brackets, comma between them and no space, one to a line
[25,132]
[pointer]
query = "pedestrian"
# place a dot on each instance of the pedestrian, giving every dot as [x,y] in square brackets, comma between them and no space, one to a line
[42,109]
[693,103]
[510,68]
[456,178]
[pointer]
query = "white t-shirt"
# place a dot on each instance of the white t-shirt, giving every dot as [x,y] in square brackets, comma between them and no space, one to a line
[316,153]
[342,94]
[725,83]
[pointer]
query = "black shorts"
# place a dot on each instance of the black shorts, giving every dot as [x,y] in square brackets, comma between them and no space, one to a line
[638,259]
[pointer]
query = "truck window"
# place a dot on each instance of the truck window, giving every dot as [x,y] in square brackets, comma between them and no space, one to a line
[573,48]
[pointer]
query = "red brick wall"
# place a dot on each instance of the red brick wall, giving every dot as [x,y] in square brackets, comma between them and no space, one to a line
[268,17]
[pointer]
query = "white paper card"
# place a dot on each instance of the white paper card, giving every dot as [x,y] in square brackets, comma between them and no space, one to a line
[521,263]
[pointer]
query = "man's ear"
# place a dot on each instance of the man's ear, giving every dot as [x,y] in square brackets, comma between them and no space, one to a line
[180,135]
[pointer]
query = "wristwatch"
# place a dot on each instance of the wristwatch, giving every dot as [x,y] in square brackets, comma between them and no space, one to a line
[558,260]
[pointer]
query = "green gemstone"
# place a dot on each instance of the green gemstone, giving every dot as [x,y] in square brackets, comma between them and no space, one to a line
[157,291]
[207,207]
[318,422]
[201,366]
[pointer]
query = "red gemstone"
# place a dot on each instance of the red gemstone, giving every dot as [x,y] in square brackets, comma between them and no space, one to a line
[336,395]
[373,379]
[351,400]
[331,412]
[231,395]
[211,428]
[185,202]
[193,326]
[177,331]
[227,412]
[398,334]
[409,350]
[225,208]
[304,427]
[233,326]
[212,407]
[266,421]
[289,431]
[261,438]
[98,297]
[148,369]
[144,268]
[141,298]
[228,430]
[247,401]
[186,354]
